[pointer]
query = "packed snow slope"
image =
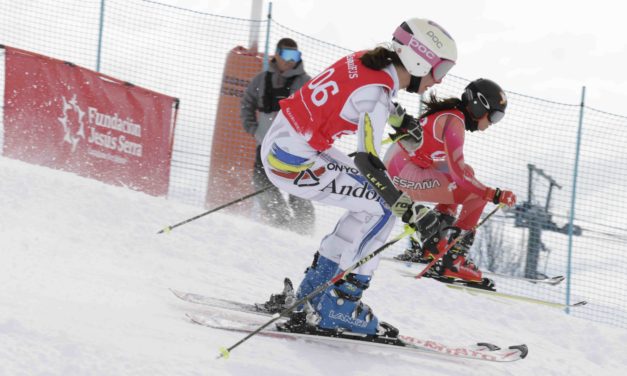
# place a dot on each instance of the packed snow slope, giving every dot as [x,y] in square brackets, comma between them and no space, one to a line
[84,284]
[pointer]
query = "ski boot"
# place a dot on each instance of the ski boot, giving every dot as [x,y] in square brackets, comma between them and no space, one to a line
[455,266]
[340,310]
[412,254]
[425,254]
[321,270]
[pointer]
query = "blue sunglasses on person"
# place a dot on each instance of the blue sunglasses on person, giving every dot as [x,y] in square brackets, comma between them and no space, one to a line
[288,54]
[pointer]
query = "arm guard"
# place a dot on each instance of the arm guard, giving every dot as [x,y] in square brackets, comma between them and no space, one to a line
[373,169]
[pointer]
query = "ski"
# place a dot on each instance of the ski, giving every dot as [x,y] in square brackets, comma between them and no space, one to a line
[474,291]
[553,281]
[446,280]
[429,346]
[412,345]
[221,303]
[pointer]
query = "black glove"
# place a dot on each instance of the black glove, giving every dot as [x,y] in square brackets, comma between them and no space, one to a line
[420,217]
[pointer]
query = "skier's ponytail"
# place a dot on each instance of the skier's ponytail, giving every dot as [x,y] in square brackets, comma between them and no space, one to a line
[434,104]
[380,58]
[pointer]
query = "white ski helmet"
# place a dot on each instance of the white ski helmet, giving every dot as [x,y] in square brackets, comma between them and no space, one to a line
[423,46]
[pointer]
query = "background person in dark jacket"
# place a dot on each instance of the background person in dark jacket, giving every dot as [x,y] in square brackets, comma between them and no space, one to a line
[260,104]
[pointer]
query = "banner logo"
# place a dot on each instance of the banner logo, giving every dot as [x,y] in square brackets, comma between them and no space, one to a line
[99,125]
[72,122]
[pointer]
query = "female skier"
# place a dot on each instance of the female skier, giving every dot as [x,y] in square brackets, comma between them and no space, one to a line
[428,163]
[354,95]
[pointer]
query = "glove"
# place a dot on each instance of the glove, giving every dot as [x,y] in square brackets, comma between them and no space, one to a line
[420,217]
[396,115]
[498,196]
[405,126]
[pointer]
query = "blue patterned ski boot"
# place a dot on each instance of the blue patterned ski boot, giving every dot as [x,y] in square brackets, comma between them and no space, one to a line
[321,271]
[340,308]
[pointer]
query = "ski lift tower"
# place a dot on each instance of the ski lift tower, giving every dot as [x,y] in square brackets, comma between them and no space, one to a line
[537,219]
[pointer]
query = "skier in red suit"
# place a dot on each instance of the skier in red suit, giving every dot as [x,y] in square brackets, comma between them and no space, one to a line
[428,164]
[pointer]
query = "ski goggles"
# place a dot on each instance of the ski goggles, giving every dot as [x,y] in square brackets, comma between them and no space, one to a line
[439,67]
[494,115]
[289,54]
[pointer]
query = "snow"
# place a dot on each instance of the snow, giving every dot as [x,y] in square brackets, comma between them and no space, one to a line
[84,284]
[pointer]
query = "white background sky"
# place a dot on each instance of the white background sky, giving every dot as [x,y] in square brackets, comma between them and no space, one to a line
[546,49]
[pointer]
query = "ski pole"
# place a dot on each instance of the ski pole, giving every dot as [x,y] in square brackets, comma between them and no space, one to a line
[169,228]
[456,240]
[225,352]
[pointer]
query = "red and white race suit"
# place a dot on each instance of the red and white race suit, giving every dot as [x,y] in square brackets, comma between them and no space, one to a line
[436,172]
[299,156]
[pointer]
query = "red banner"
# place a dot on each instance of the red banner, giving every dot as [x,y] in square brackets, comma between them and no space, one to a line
[59,115]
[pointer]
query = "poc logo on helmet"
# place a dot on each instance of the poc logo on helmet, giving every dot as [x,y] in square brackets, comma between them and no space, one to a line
[422,48]
[434,38]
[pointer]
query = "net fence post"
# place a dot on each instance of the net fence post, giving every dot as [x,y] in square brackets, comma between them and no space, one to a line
[266,50]
[100,30]
[572,199]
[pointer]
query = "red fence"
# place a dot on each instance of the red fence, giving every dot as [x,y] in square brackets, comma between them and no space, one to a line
[59,115]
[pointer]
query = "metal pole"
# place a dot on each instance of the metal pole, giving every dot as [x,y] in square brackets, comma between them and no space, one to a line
[533,247]
[530,167]
[572,198]
[255,18]
[548,197]
[102,10]
[169,228]
[265,55]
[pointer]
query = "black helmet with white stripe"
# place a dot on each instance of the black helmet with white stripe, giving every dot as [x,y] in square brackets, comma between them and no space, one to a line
[482,97]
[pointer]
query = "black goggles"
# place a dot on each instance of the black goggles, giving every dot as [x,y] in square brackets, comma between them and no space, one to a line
[494,115]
